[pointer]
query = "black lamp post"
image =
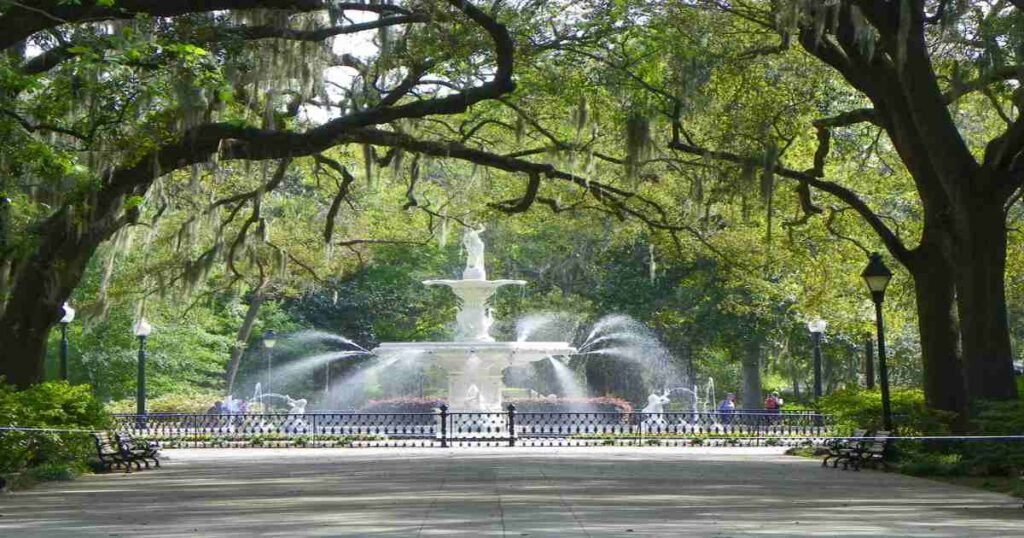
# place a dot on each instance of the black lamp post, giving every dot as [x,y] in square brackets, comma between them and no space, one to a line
[817,328]
[142,331]
[269,340]
[68,315]
[877,276]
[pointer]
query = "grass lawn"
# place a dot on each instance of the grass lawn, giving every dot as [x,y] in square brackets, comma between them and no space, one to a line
[999,484]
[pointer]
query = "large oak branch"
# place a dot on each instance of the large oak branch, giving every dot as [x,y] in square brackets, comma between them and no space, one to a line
[20,22]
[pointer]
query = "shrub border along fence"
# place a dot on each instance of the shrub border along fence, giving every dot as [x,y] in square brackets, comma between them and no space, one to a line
[445,428]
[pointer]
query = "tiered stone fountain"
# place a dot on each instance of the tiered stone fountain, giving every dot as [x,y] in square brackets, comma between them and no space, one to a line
[474,361]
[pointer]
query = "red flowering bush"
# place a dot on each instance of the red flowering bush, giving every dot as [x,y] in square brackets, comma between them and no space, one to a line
[402,405]
[604,404]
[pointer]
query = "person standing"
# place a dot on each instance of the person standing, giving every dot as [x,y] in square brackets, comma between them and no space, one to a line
[773,406]
[727,408]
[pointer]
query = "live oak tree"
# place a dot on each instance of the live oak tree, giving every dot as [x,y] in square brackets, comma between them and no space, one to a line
[102,101]
[936,79]
[939,81]
[914,60]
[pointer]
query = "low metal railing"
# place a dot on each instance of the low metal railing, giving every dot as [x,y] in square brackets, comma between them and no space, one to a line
[455,428]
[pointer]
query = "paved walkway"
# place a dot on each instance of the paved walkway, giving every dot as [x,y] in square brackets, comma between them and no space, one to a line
[628,492]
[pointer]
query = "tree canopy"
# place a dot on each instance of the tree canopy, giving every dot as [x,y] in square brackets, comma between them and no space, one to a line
[718,170]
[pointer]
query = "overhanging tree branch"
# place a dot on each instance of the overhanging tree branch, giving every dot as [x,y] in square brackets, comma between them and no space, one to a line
[890,239]
[20,22]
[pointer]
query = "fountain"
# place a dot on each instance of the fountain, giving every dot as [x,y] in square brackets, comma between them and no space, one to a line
[474,360]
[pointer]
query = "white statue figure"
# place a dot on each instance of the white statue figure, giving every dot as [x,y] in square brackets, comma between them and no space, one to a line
[230,405]
[297,407]
[474,401]
[474,254]
[655,410]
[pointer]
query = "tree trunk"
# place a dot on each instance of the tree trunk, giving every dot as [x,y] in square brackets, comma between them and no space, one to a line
[944,386]
[752,377]
[45,281]
[255,302]
[980,263]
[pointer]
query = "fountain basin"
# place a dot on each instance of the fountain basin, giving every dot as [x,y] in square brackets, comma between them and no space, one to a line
[475,368]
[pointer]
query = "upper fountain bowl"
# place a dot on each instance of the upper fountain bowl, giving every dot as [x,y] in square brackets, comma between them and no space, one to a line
[474,284]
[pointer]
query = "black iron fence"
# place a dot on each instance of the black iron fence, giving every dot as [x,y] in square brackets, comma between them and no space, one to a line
[447,428]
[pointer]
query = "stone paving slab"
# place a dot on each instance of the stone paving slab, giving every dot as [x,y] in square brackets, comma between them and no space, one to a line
[510,492]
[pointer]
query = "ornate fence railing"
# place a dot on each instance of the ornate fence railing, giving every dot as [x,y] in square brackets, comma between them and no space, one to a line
[447,428]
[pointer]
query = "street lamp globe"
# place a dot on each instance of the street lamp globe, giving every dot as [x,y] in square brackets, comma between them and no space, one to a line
[817,326]
[143,328]
[876,275]
[269,339]
[68,314]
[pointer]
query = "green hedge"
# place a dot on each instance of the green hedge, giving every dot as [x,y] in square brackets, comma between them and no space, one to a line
[51,405]
[858,408]
[855,408]
[188,401]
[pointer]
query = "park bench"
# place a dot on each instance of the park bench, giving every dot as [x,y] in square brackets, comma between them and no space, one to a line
[143,451]
[842,448]
[871,453]
[112,453]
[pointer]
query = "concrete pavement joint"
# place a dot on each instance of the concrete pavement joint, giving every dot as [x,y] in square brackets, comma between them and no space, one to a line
[433,502]
[566,504]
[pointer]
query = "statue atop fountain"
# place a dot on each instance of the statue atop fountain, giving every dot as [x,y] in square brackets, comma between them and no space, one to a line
[474,255]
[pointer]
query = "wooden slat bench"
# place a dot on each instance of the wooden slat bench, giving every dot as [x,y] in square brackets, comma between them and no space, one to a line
[871,453]
[841,448]
[113,454]
[143,451]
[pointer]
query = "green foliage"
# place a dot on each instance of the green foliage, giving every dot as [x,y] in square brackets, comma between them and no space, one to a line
[933,464]
[56,471]
[182,400]
[53,405]
[854,409]
[860,408]
[996,458]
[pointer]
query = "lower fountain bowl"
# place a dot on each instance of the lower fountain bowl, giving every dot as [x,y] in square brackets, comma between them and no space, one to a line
[502,354]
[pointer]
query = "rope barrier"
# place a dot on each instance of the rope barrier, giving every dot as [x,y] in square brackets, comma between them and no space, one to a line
[31,429]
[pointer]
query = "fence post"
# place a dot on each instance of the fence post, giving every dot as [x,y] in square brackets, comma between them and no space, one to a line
[312,436]
[511,425]
[444,425]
